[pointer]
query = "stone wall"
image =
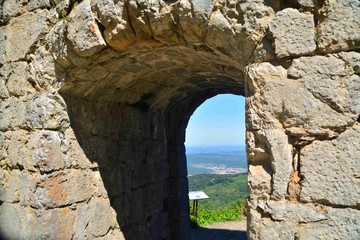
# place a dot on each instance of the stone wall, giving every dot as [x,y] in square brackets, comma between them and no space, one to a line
[95,96]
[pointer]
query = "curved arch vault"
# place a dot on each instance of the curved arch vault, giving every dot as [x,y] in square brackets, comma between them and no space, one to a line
[96,97]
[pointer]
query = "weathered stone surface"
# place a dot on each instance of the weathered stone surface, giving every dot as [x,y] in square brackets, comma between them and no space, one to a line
[287,211]
[15,76]
[13,113]
[264,228]
[299,112]
[48,151]
[2,45]
[352,59]
[91,137]
[59,44]
[330,80]
[308,3]
[9,185]
[17,222]
[105,216]
[336,32]
[12,8]
[63,188]
[113,16]
[47,111]
[193,19]
[294,33]
[221,36]
[333,228]
[259,180]
[331,170]
[83,31]
[275,141]
[55,223]
[163,22]
[17,151]
[138,16]
[21,37]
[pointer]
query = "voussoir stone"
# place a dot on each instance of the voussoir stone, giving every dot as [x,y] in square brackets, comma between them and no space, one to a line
[293,33]
[83,31]
[113,16]
[331,170]
[193,19]
[339,28]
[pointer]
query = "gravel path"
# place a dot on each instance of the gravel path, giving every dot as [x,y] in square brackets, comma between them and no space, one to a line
[221,231]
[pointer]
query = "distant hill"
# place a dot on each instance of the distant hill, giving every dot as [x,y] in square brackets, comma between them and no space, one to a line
[221,160]
[223,190]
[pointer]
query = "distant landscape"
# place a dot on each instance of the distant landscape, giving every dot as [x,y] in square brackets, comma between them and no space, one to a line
[220,172]
[216,160]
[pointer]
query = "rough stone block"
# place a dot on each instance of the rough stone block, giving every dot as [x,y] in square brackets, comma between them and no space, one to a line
[264,228]
[22,36]
[17,222]
[2,45]
[331,80]
[308,3]
[83,31]
[342,224]
[259,179]
[56,223]
[331,170]
[4,93]
[44,73]
[9,185]
[298,110]
[193,19]
[163,24]
[12,8]
[105,216]
[49,151]
[138,16]
[293,32]
[15,76]
[17,150]
[59,43]
[275,167]
[13,112]
[47,111]
[113,16]
[339,28]
[288,211]
[63,188]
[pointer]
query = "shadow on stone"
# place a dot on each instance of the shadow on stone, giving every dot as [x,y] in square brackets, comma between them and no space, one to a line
[201,233]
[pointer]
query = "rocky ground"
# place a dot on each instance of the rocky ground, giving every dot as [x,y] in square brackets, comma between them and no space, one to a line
[221,231]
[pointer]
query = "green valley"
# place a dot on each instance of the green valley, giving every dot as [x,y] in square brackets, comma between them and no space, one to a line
[227,196]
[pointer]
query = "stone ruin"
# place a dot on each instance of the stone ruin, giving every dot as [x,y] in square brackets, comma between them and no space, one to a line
[95,96]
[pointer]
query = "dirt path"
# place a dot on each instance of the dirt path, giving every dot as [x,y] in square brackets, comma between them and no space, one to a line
[221,231]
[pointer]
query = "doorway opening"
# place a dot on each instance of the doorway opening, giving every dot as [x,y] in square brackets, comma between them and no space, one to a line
[217,168]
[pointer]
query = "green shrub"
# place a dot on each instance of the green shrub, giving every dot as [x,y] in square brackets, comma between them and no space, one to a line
[207,216]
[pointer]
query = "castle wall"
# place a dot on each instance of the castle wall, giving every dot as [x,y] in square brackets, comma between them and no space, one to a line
[95,96]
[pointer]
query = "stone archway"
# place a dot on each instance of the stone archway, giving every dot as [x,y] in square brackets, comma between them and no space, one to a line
[96,95]
[131,126]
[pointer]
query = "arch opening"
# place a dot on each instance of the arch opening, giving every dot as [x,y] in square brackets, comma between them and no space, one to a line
[217,164]
[129,117]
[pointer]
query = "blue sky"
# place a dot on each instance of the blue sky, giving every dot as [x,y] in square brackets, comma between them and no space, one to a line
[219,121]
